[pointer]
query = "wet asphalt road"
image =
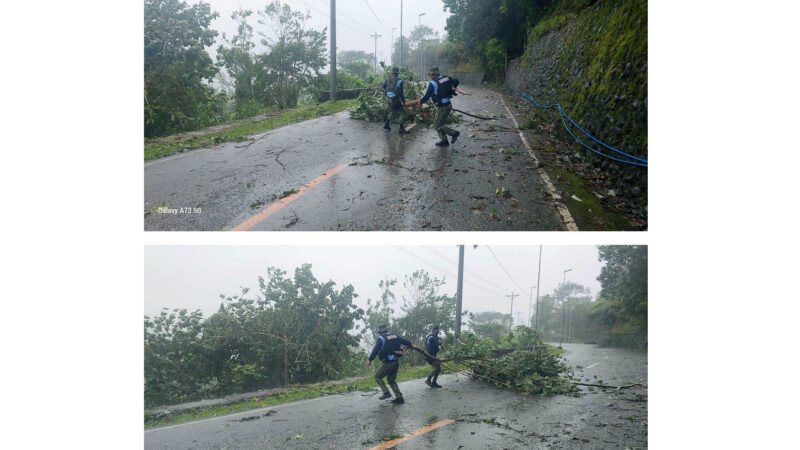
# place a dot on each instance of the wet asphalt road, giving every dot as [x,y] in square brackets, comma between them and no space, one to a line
[485,416]
[389,182]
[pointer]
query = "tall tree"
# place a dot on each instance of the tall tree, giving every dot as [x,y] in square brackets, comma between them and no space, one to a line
[175,358]
[622,304]
[295,54]
[489,324]
[380,311]
[306,319]
[177,67]
[236,56]
[423,305]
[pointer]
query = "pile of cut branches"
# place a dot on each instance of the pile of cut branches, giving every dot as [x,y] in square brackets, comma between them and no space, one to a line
[531,367]
[372,105]
[535,371]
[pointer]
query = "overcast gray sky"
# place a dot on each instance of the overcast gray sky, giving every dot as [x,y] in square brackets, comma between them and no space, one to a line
[193,277]
[355,22]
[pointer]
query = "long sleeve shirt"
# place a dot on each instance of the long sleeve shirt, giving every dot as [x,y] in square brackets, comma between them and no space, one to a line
[379,344]
[428,93]
[432,92]
[432,344]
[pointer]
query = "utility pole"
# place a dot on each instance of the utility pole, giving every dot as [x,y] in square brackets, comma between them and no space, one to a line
[376,36]
[530,307]
[538,282]
[391,49]
[333,50]
[512,310]
[563,284]
[419,46]
[460,288]
[569,322]
[401,33]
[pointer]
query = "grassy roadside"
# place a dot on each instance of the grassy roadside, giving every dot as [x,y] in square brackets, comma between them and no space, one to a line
[169,145]
[589,212]
[285,396]
[300,392]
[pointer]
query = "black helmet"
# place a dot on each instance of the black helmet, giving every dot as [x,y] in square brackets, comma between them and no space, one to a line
[395,70]
[383,328]
[434,70]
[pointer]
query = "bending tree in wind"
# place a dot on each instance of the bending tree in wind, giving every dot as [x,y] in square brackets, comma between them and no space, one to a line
[295,55]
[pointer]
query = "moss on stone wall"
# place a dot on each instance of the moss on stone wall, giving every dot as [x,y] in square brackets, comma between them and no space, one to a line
[594,62]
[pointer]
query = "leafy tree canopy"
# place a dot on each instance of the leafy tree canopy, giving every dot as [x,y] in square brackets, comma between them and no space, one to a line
[178,68]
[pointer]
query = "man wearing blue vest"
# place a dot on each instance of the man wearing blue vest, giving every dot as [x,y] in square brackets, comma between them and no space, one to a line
[389,347]
[432,343]
[393,89]
[441,89]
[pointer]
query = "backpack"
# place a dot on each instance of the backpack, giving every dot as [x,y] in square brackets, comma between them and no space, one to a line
[444,87]
[391,91]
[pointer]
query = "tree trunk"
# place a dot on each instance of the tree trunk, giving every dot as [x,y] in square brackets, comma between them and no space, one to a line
[285,361]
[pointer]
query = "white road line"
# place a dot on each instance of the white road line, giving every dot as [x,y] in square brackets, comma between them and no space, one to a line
[592,365]
[569,222]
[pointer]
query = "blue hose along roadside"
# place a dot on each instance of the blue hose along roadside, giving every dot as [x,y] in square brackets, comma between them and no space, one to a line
[591,202]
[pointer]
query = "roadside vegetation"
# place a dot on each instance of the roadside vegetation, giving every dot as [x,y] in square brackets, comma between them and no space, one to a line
[295,332]
[240,130]
[286,395]
[272,65]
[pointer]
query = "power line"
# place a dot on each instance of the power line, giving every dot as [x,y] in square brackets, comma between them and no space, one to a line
[352,21]
[327,16]
[504,269]
[466,270]
[408,252]
[374,15]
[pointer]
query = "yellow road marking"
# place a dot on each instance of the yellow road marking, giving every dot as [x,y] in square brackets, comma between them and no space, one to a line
[280,204]
[423,430]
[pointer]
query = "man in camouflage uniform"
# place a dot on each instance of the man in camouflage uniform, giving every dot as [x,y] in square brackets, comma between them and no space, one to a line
[389,347]
[433,344]
[441,89]
[393,89]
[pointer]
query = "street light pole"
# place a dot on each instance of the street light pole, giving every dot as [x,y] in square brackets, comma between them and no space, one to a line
[561,332]
[401,33]
[530,306]
[419,46]
[391,49]
[511,319]
[333,50]
[538,282]
[459,288]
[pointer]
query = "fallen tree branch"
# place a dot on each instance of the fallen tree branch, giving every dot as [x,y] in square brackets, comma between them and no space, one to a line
[606,386]
[477,117]
[278,160]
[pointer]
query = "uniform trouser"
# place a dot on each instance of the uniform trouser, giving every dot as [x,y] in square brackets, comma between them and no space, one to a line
[388,370]
[396,110]
[437,367]
[441,117]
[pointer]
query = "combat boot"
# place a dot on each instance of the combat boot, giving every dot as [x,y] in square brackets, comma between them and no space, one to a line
[384,396]
[403,129]
[443,143]
[455,136]
[386,126]
[398,401]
